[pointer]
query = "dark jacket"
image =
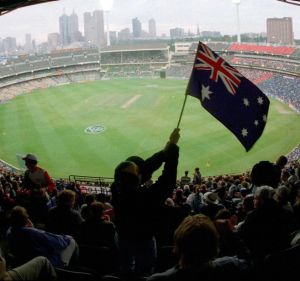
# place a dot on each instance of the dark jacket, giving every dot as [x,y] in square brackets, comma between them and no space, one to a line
[137,210]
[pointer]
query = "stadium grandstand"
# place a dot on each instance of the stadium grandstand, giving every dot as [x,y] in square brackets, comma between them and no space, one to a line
[248,222]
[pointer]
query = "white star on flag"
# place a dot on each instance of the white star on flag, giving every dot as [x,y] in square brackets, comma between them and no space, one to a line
[265,118]
[246,102]
[260,100]
[244,132]
[256,122]
[205,92]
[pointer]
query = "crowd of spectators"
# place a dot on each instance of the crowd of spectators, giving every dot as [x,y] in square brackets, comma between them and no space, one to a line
[284,88]
[252,216]
[267,63]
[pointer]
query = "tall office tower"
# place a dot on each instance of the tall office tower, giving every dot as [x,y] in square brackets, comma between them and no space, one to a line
[73,28]
[136,28]
[152,28]
[94,28]
[99,34]
[176,32]
[28,43]
[124,34]
[63,29]
[10,45]
[88,27]
[53,41]
[280,31]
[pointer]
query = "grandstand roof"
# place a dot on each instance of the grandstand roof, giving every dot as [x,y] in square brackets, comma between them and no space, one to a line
[10,5]
[294,2]
[136,47]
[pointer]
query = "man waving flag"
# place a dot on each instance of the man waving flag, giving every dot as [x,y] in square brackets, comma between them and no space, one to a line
[228,96]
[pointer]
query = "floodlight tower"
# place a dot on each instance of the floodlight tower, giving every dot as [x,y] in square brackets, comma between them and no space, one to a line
[237,3]
[107,6]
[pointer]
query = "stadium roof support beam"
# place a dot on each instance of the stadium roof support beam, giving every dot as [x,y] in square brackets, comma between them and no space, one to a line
[10,5]
[294,2]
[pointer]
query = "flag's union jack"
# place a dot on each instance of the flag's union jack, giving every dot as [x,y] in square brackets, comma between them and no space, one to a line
[206,60]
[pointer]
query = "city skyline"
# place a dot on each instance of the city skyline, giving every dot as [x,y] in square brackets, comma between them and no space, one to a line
[217,16]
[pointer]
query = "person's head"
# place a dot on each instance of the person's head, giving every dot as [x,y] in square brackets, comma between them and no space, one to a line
[211,198]
[263,173]
[186,173]
[18,217]
[90,198]
[196,241]
[127,176]
[30,160]
[97,209]
[66,198]
[169,202]
[263,195]
[281,161]
[142,170]
[282,195]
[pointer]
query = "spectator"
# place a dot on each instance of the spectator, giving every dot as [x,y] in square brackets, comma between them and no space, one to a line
[197,176]
[197,245]
[96,231]
[85,210]
[27,242]
[211,205]
[266,173]
[185,179]
[63,219]
[268,227]
[35,177]
[136,208]
[40,185]
[278,167]
[38,268]
[195,200]
[169,219]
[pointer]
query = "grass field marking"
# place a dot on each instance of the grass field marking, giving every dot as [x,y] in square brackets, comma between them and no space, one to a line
[131,101]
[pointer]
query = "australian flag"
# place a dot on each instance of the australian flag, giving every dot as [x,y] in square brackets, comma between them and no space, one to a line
[228,96]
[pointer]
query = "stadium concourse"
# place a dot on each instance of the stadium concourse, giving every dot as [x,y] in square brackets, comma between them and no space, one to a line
[242,212]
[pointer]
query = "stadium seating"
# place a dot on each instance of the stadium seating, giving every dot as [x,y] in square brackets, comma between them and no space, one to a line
[261,49]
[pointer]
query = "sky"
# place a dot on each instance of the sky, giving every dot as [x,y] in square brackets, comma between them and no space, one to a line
[210,15]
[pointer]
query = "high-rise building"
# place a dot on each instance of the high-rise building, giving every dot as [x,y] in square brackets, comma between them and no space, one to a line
[124,34]
[69,29]
[100,39]
[73,28]
[28,43]
[152,28]
[53,41]
[176,32]
[136,28]
[280,31]
[88,27]
[94,28]
[63,29]
[10,44]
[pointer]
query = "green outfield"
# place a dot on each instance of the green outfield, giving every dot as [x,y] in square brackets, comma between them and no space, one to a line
[88,128]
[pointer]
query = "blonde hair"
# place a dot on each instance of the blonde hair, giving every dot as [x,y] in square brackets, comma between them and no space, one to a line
[196,241]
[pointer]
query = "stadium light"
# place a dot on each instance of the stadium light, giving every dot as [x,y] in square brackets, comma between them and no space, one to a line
[237,3]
